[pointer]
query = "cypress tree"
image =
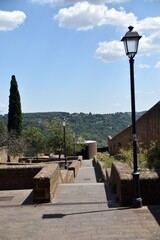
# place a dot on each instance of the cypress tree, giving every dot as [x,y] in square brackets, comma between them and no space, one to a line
[14,113]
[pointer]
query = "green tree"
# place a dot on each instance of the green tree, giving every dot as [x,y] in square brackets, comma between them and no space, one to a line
[14,113]
[15,145]
[35,140]
[56,138]
[3,135]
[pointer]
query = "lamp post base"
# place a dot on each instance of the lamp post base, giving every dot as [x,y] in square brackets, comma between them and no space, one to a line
[137,200]
[66,167]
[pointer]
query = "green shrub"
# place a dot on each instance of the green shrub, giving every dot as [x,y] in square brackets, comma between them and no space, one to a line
[106,158]
[153,159]
[127,156]
[147,158]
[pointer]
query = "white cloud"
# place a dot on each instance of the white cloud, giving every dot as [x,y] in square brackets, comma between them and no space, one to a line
[82,16]
[157,65]
[110,51]
[11,20]
[148,45]
[85,16]
[146,66]
[148,25]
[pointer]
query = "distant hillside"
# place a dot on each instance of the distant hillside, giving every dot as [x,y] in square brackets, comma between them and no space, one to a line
[90,126]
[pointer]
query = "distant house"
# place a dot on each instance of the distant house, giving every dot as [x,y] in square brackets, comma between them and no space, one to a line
[148,128]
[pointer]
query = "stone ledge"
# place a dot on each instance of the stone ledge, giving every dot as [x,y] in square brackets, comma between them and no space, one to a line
[64,174]
[121,178]
[42,178]
[70,176]
[45,183]
[74,166]
[14,177]
[100,169]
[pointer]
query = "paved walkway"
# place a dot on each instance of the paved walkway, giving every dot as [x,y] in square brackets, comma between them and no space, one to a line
[80,211]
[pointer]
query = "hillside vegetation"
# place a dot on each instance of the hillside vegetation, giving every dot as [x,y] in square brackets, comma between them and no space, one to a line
[89,126]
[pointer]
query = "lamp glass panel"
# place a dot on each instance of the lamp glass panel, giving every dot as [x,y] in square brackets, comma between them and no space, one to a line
[125,46]
[64,123]
[132,46]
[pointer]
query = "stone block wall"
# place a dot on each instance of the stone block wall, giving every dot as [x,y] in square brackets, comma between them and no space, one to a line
[42,178]
[18,176]
[74,166]
[100,170]
[148,129]
[121,179]
[46,182]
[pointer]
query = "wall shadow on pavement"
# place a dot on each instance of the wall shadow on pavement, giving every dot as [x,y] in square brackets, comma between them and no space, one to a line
[28,200]
[155,211]
[61,215]
[110,194]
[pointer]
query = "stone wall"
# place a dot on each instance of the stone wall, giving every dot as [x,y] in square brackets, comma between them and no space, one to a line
[99,170]
[46,182]
[18,176]
[121,179]
[42,178]
[74,166]
[148,128]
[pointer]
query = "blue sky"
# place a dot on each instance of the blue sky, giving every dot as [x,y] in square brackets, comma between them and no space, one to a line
[67,55]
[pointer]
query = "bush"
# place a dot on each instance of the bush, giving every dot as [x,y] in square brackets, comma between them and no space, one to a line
[106,158]
[153,160]
[127,156]
[147,158]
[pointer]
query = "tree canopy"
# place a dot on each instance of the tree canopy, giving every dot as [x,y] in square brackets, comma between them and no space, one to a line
[14,112]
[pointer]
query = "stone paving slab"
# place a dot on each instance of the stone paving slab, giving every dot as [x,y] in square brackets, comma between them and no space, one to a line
[86,173]
[81,193]
[83,221]
[15,197]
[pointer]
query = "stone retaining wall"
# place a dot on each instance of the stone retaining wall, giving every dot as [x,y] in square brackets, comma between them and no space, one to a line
[100,169]
[74,166]
[18,176]
[121,179]
[46,182]
[42,178]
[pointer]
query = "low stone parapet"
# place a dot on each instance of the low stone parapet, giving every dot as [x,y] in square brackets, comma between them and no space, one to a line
[46,182]
[121,179]
[74,166]
[64,174]
[14,177]
[42,178]
[100,169]
[70,176]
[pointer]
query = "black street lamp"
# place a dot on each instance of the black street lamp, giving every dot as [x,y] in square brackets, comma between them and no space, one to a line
[64,135]
[131,40]
[74,142]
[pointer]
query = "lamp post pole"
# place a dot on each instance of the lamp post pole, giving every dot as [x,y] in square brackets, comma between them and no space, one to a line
[74,142]
[136,201]
[131,40]
[64,142]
